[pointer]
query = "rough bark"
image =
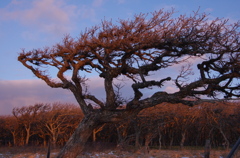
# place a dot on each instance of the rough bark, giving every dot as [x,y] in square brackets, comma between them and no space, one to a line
[93,120]
[76,143]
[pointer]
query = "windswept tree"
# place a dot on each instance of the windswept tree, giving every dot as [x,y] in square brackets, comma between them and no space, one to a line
[134,49]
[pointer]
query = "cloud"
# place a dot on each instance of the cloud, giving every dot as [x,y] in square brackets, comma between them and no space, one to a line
[86,12]
[97,3]
[208,10]
[49,16]
[171,89]
[18,93]
[121,1]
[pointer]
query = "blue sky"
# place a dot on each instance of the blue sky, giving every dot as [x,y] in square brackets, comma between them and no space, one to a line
[32,24]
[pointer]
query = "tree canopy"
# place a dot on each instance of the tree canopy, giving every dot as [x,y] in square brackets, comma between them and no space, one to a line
[134,48]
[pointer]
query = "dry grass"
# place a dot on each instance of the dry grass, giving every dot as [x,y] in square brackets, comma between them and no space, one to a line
[156,154]
[23,152]
[40,152]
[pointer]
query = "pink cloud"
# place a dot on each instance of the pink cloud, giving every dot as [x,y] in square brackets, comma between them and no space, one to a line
[97,3]
[171,89]
[51,16]
[18,93]
[208,10]
[121,1]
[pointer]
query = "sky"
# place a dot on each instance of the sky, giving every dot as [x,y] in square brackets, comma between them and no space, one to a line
[31,24]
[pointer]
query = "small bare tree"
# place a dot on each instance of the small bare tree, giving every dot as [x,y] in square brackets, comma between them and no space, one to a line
[28,116]
[58,119]
[12,125]
[133,49]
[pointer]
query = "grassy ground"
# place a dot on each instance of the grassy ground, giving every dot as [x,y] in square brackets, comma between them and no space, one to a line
[40,152]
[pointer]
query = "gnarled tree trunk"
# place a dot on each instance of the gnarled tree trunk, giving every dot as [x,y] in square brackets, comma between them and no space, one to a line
[91,121]
[77,141]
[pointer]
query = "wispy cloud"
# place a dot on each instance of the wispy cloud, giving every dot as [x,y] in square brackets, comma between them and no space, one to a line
[208,10]
[97,3]
[86,12]
[171,89]
[50,16]
[121,1]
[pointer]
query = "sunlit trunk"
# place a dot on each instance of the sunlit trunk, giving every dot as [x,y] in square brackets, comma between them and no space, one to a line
[27,136]
[160,139]
[95,131]
[226,143]
[14,138]
[148,139]
[183,139]
[94,135]
[44,142]
[54,139]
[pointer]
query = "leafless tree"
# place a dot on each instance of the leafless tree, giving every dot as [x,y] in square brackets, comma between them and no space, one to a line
[135,48]
[28,117]
[58,119]
[12,125]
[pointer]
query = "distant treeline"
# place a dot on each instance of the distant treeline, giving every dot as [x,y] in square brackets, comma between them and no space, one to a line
[162,126]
